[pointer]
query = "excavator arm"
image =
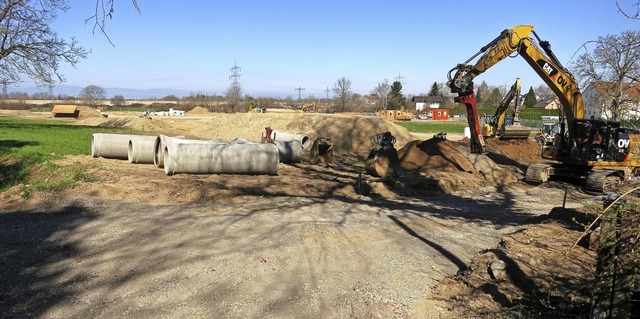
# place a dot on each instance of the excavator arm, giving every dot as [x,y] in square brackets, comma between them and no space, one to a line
[538,54]
[501,111]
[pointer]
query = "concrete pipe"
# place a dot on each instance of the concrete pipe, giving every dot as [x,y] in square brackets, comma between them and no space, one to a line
[142,149]
[213,158]
[111,145]
[163,140]
[290,151]
[304,140]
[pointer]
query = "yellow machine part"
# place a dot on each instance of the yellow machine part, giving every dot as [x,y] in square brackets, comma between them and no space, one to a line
[514,132]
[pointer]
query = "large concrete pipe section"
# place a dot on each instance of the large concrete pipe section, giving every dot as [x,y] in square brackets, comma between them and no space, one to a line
[215,158]
[141,149]
[290,151]
[304,140]
[163,140]
[111,145]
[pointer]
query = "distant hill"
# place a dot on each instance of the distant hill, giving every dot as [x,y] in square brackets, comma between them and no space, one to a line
[128,94]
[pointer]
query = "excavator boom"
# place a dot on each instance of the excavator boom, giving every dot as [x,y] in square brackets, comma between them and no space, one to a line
[537,53]
[602,153]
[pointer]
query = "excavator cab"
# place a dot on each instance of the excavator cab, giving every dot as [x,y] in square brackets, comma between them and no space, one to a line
[598,141]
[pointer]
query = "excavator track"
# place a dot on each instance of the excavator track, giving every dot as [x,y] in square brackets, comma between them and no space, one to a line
[603,181]
[537,173]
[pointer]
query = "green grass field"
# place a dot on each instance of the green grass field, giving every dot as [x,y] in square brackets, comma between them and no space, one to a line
[26,143]
[433,126]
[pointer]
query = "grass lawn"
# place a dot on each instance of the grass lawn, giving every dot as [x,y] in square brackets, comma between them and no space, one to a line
[26,143]
[433,126]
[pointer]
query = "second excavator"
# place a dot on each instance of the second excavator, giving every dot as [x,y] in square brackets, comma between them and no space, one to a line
[502,125]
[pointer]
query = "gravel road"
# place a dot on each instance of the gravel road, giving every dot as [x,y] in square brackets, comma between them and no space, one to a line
[276,257]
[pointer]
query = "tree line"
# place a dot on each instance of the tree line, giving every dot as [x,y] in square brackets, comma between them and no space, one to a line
[31,49]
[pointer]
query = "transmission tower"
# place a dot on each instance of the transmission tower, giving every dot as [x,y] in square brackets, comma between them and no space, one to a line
[299,89]
[327,91]
[399,78]
[235,75]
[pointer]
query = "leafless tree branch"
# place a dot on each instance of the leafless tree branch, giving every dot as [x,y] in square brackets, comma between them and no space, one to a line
[104,10]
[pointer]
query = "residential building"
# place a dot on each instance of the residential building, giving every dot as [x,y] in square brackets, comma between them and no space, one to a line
[596,99]
[548,104]
[423,103]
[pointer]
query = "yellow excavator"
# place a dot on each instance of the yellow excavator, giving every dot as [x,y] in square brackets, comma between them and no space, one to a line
[600,153]
[503,127]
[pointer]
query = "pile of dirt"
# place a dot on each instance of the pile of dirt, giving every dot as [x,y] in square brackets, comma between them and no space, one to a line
[524,151]
[198,110]
[144,125]
[350,135]
[433,154]
[450,166]
[527,273]
[85,112]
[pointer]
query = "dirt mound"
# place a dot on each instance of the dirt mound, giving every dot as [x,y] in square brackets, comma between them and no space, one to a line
[450,165]
[436,154]
[198,110]
[536,261]
[85,112]
[524,151]
[144,125]
[350,135]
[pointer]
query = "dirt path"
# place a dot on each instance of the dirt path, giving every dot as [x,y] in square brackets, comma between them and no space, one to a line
[274,257]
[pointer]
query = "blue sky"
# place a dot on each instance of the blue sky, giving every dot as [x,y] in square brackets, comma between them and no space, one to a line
[282,45]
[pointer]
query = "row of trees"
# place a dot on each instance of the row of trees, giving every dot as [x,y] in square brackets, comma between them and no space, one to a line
[383,96]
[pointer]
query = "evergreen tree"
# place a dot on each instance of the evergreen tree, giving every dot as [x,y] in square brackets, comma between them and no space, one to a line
[530,98]
[397,99]
[435,90]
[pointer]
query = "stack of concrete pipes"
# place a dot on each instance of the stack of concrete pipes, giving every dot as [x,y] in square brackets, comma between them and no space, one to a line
[179,155]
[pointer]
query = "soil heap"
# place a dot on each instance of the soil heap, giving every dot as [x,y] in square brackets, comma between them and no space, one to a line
[85,112]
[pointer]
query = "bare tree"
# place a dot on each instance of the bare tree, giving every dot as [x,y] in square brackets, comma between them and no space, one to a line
[629,13]
[118,100]
[382,91]
[104,10]
[342,89]
[92,94]
[613,64]
[28,46]
[234,97]
[544,92]
[482,92]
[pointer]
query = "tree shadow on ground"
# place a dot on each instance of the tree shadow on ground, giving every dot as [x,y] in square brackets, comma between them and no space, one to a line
[6,146]
[28,290]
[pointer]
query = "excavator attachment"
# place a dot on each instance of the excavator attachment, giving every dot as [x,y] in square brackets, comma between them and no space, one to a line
[322,151]
[383,158]
[514,132]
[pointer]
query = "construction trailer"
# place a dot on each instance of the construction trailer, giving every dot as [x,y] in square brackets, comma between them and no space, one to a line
[396,115]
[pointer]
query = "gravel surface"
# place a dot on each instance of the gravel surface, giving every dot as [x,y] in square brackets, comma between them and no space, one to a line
[284,257]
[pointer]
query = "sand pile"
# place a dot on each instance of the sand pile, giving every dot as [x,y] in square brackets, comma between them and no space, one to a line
[85,112]
[350,135]
[198,110]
